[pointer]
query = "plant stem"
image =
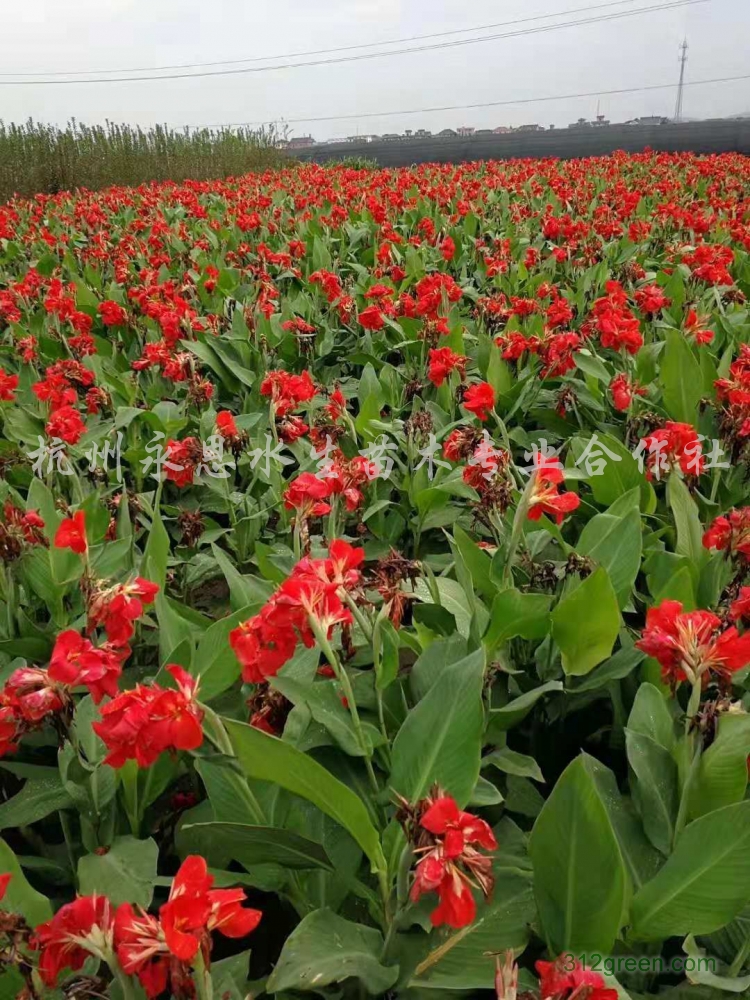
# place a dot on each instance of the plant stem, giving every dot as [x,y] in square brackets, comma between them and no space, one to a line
[367,629]
[343,678]
[517,529]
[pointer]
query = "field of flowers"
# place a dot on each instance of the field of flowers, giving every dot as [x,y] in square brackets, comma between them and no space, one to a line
[375,584]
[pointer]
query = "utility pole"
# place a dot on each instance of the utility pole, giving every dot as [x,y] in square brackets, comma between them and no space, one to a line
[681,87]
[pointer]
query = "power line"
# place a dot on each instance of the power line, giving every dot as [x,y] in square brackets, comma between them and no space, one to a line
[318,52]
[364,55]
[486,104]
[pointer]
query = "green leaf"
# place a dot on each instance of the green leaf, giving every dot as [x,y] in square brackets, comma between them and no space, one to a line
[39,797]
[619,475]
[477,562]
[463,960]
[622,664]
[440,740]
[258,845]
[125,874]
[704,884]
[323,949]
[615,544]
[516,710]
[326,708]
[687,524]
[510,762]
[656,789]
[215,661]
[680,376]
[585,624]
[156,553]
[452,598]
[641,859]
[580,879]
[516,614]
[243,591]
[20,897]
[651,716]
[270,759]
[722,771]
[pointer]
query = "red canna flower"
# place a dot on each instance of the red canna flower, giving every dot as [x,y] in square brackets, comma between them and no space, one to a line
[75,660]
[306,494]
[692,645]
[8,386]
[226,425]
[112,314]
[182,459]
[72,533]
[336,405]
[78,930]
[371,318]
[265,642]
[287,391]
[142,723]
[442,361]
[450,861]
[558,983]
[624,390]
[4,880]
[65,423]
[739,609]
[291,428]
[651,299]
[447,248]
[479,400]
[116,608]
[148,946]
[730,533]
[673,445]
[545,498]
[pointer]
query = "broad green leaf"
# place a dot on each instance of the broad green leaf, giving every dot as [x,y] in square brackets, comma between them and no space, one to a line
[656,790]
[704,884]
[20,897]
[477,562]
[156,553]
[615,544]
[585,624]
[39,797]
[680,376]
[622,664]
[243,591]
[517,709]
[452,598]
[722,771]
[641,859]
[440,741]
[325,705]
[516,614]
[325,948]
[687,524]
[267,758]
[462,960]
[580,880]
[257,845]
[125,873]
[510,762]
[215,661]
[651,717]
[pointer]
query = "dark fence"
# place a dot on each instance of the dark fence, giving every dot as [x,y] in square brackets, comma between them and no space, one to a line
[716,136]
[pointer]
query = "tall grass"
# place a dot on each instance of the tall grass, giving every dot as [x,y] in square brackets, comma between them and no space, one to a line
[36,158]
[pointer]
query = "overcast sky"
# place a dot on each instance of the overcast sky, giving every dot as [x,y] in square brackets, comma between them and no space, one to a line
[56,35]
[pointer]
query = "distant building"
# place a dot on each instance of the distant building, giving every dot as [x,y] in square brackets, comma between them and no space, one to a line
[648,120]
[530,128]
[447,133]
[390,136]
[484,131]
[465,130]
[502,130]
[423,133]
[300,142]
